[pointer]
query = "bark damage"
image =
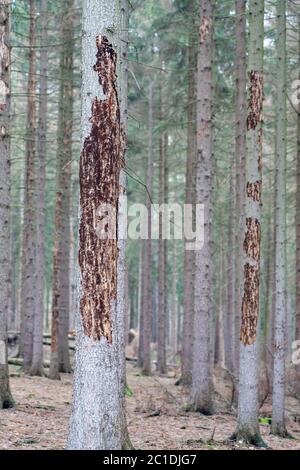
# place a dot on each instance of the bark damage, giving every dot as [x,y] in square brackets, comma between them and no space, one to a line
[205,28]
[255,104]
[100,164]
[250,305]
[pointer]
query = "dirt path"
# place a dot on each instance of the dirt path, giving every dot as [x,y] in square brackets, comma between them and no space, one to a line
[156,417]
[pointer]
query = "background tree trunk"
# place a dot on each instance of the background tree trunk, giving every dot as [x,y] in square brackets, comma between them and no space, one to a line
[60,361]
[28,242]
[240,159]
[202,393]
[147,264]
[188,300]
[37,355]
[279,350]
[5,201]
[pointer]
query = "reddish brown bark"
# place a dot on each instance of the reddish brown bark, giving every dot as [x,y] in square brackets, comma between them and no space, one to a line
[100,164]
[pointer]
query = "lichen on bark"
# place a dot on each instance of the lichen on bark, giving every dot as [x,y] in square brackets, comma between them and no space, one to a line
[100,165]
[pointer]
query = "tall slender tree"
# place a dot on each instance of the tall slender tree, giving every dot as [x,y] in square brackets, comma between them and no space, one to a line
[29,232]
[188,301]
[240,158]
[202,393]
[147,248]
[97,413]
[60,361]
[5,227]
[279,351]
[162,253]
[37,354]
[247,426]
[298,221]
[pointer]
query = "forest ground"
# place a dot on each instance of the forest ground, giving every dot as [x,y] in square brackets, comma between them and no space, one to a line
[156,415]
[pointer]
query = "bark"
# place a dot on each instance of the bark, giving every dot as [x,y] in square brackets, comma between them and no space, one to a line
[247,426]
[174,315]
[141,316]
[162,297]
[219,338]
[122,282]
[230,272]
[298,225]
[97,415]
[5,227]
[28,242]
[202,389]
[279,378]
[147,264]
[37,355]
[60,361]
[188,301]
[240,159]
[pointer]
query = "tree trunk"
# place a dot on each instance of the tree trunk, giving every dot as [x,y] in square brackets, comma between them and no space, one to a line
[5,227]
[122,283]
[219,337]
[240,160]
[37,355]
[202,393]
[97,415]
[60,361]
[162,295]
[279,350]
[188,299]
[174,312]
[298,226]
[147,264]
[28,242]
[230,274]
[247,426]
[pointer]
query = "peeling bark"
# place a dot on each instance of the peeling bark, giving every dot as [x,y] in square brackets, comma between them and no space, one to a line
[247,426]
[100,164]
[256,100]
[250,305]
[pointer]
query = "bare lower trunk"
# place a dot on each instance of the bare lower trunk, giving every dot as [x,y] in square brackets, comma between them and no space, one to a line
[147,265]
[28,242]
[37,356]
[5,228]
[97,412]
[162,296]
[298,226]
[60,361]
[174,312]
[247,426]
[219,337]
[202,389]
[188,300]
[279,378]
[240,157]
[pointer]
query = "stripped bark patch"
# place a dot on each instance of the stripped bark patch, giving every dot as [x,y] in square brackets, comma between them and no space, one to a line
[205,28]
[100,165]
[255,114]
[254,190]
[252,239]
[250,304]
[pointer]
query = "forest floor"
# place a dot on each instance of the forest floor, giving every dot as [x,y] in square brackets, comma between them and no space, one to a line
[156,416]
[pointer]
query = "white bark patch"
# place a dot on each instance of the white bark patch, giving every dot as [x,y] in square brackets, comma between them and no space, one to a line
[2,353]
[4,90]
